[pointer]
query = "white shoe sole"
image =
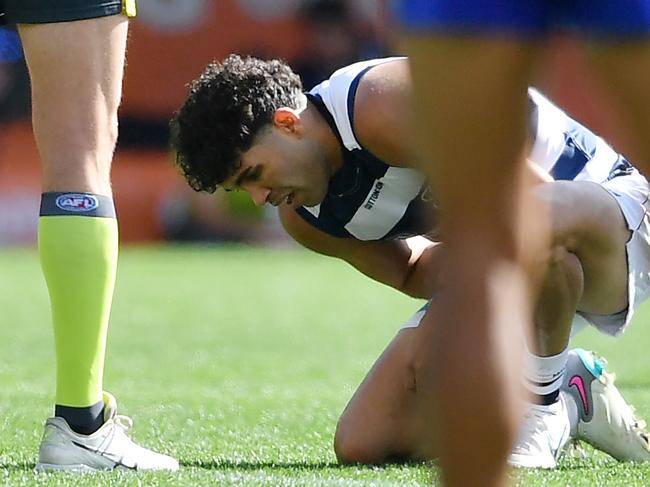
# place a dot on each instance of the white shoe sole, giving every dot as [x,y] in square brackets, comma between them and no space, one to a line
[522,461]
[50,467]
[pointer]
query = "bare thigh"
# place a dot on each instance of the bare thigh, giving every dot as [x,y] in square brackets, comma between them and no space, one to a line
[624,69]
[74,114]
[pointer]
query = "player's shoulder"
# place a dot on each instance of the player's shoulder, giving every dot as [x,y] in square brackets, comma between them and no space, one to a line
[347,78]
[382,108]
[382,87]
[339,94]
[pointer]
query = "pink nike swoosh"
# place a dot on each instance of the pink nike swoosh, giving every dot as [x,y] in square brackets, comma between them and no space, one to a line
[579,384]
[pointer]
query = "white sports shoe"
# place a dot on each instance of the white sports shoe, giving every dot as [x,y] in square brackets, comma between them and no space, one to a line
[543,433]
[605,420]
[107,448]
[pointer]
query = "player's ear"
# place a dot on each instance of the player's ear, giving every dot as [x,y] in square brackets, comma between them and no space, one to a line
[288,119]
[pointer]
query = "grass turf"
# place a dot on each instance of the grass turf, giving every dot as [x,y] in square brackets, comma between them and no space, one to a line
[238,361]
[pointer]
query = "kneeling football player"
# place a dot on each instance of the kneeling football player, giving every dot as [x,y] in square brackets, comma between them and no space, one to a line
[337,162]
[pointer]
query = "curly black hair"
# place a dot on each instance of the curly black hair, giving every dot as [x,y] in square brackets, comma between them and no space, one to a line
[226,107]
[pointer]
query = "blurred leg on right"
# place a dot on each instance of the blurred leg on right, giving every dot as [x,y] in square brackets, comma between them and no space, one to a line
[471,114]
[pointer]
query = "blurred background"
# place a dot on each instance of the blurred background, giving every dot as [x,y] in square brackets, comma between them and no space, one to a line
[170,43]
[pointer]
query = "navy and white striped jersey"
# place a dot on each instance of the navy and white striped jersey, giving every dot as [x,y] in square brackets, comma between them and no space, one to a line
[369,200]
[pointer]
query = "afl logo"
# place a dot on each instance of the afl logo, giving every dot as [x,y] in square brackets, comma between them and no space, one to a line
[77,202]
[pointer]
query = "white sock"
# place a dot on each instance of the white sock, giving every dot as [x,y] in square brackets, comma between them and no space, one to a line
[543,376]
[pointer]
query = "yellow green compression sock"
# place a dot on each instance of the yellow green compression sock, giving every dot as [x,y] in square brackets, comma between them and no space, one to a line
[78,246]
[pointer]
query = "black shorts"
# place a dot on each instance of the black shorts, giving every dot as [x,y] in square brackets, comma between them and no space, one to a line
[50,11]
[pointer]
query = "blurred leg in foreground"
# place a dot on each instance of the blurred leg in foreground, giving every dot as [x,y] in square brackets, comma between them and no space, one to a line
[471,123]
[471,62]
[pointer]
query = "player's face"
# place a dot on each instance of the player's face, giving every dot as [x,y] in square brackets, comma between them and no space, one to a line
[282,167]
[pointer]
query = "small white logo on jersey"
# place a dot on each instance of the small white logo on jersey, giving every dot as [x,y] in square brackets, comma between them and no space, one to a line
[374,195]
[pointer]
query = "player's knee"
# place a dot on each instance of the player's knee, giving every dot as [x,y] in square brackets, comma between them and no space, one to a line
[346,447]
[351,448]
[560,258]
[352,443]
[564,272]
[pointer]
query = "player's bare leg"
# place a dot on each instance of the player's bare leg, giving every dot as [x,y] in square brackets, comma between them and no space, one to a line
[470,99]
[83,62]
[624,68]
[76,78]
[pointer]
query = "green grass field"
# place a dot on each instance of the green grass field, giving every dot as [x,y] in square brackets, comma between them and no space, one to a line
[238,362]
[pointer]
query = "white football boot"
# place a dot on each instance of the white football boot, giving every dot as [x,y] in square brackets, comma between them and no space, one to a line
[107,448]
[605,420]
[543,434]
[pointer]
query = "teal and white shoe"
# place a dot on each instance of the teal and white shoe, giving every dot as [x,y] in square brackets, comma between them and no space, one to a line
[605,420]
[108,448]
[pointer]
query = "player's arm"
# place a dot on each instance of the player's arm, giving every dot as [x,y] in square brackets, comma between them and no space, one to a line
[410,266]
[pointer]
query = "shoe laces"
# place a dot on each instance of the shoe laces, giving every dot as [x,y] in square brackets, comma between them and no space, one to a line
[123,422]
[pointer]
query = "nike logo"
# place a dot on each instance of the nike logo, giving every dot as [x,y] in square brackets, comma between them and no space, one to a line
[117,461]
[579,384]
